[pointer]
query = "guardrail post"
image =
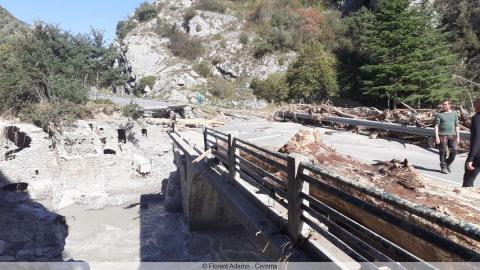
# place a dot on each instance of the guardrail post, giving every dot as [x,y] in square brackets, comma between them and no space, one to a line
[294,201]
[205,145]
[232,151]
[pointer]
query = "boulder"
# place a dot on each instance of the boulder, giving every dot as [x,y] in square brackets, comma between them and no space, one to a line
[175,95]
[141,164]
[147,89]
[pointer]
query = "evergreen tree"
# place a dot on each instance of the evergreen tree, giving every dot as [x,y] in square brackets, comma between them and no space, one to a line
[352,56]
[411,60]
[461,18]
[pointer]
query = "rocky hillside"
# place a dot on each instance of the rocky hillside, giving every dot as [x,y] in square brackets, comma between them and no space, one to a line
[9,26]
[193,53]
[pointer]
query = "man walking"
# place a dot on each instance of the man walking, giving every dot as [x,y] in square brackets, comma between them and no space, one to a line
[472,164]
[447,135]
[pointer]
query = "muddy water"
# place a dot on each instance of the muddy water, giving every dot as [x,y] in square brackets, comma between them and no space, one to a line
[146,232]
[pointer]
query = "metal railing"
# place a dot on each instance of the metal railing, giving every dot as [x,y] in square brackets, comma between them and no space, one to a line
[414,130]
[283,179]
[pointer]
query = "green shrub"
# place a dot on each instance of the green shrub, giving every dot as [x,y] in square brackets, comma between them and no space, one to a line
[187,16]
[281,39]
[243,38]
[211,5]
[274,88]
[198,28]
[216,60]
[217,36]
[221,88]
[52,65]
[43,114]
[285,19]
[262,48]
[62,88]
[124,27]
[183,46]
[223,43]
[203,69]
[165,29]
[132,110]
[145,12]
[147,81]
[262,13]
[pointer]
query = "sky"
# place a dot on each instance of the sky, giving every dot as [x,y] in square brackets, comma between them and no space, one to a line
[76,16]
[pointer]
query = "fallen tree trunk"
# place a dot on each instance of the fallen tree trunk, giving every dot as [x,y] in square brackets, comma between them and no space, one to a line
[411,116]
[197,122]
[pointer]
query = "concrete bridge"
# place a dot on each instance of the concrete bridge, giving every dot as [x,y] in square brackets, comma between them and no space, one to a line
[222,188]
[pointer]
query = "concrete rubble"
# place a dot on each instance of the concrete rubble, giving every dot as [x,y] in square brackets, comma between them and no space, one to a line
[93,188]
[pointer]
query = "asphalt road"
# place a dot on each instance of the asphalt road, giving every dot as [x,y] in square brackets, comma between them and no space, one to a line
[147,104]
[359,147]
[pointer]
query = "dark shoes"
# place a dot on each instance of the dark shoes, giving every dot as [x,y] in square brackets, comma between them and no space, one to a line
[446,169]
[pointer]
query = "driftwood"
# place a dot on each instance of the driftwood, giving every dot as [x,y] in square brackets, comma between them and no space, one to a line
[409,116]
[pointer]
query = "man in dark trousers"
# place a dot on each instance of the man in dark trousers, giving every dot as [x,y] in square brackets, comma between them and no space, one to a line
[472,165]
[447,135]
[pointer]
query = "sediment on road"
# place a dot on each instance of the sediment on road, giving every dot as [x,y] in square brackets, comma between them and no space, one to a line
[397,178]
[429,239]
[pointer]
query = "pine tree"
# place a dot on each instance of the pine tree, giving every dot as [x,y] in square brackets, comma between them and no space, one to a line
[461,18]
[412,61]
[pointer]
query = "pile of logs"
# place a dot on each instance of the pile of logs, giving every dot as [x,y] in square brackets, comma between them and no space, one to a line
[407,116]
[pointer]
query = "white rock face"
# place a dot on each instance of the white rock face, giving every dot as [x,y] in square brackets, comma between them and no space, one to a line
[207,23]
[148,54]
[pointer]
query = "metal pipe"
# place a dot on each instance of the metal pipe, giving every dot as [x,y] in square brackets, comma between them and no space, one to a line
[271,153]
[262,172]
[263,158]
[347,237]
[399,253]
[450,246]
[216,131]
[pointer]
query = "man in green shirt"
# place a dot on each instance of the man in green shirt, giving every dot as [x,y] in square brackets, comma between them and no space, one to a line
[447,135]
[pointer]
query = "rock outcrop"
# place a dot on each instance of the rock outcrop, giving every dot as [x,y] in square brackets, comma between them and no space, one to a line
[226,56]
